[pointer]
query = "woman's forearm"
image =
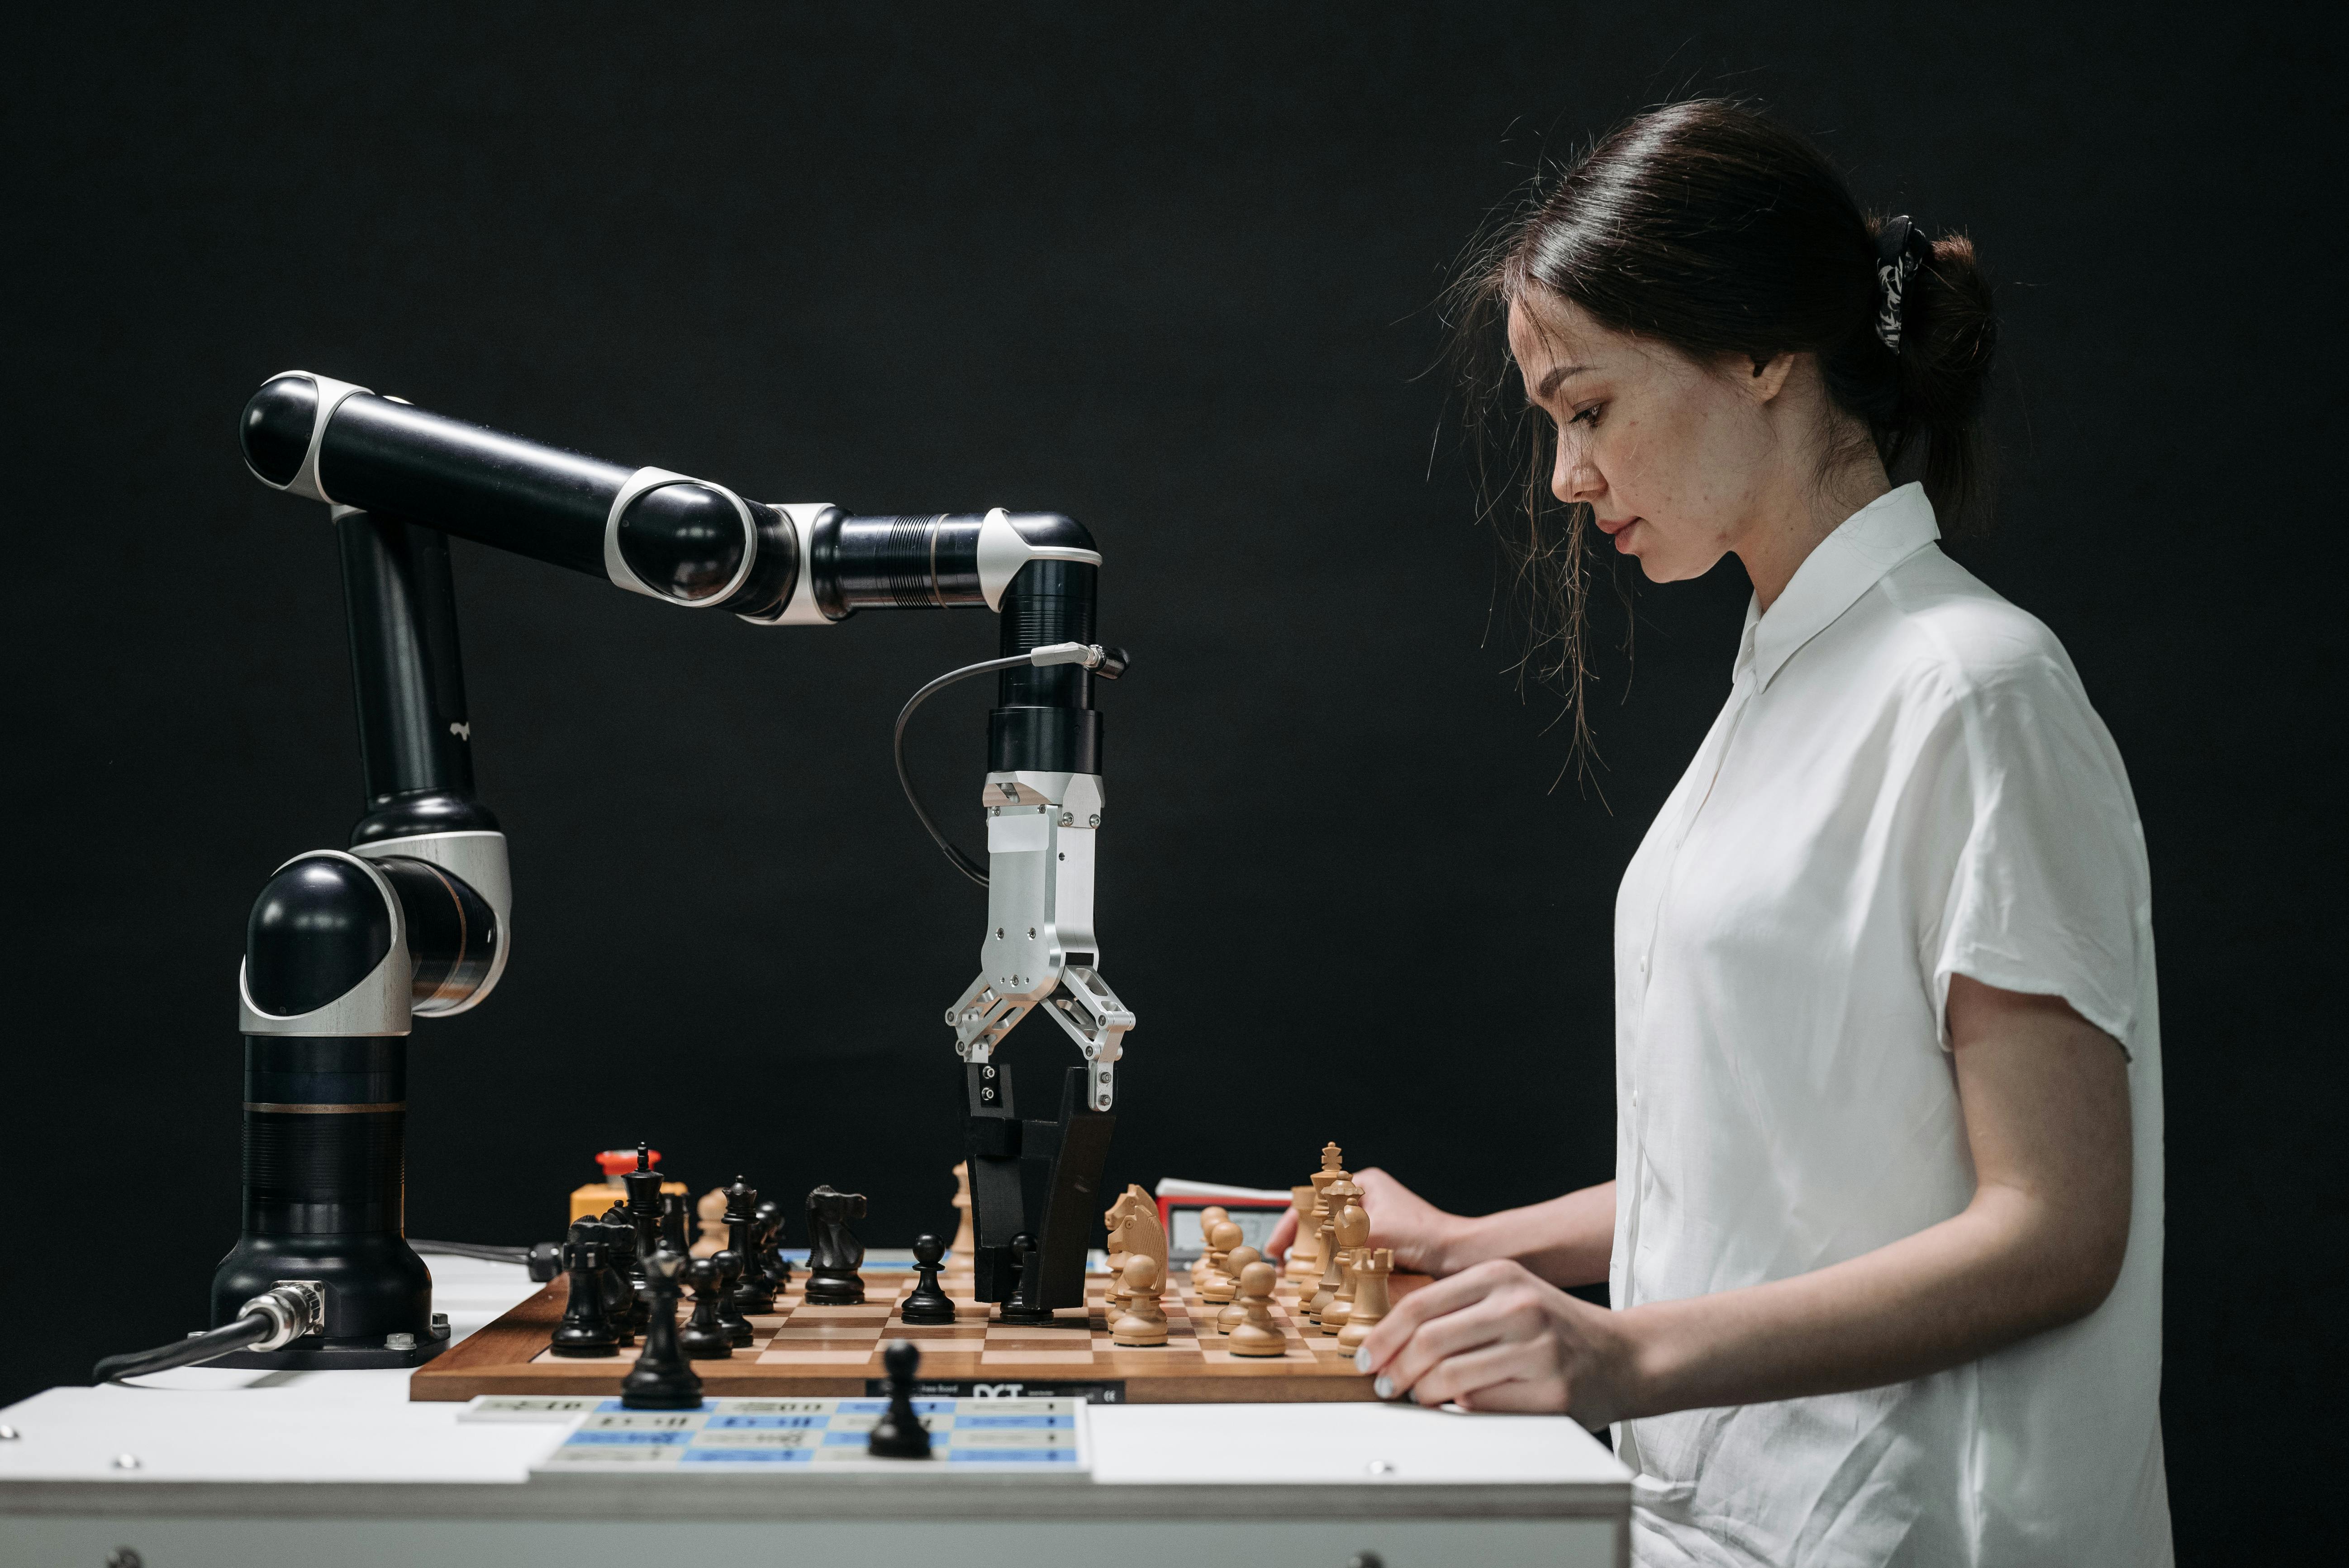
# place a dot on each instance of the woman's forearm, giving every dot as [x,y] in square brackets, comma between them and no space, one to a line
[1946,1296]
[1566,1241]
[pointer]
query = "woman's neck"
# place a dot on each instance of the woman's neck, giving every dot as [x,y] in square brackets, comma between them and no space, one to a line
[1785,530]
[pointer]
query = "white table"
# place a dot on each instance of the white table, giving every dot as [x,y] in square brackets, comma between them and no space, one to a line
[212,1469]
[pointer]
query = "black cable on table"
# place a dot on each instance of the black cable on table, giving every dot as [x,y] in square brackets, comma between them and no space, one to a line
[250,1330]
[544,1260]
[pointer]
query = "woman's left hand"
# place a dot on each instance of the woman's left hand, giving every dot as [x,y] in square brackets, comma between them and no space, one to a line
[1495,1337]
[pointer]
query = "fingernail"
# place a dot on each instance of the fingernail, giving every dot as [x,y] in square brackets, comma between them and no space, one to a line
[1361,1360]
[1383,1388]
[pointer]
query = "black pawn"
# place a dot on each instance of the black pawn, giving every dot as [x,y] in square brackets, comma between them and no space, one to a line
[900,1433]
[662,1379]
[1021,1307]
[728,1264]
[703,1337]
[771,1245]
[752,1293]
[927,1304]
[585,1330]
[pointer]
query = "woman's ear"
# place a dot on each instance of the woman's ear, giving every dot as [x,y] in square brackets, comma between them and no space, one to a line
[1769,376]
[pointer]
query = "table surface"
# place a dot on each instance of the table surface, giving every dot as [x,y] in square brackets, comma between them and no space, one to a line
[220,1443]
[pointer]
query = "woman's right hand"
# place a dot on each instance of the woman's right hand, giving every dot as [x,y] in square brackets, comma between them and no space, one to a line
[1421,1233]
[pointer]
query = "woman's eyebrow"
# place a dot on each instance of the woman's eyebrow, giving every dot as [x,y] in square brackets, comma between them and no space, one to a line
[1556,374]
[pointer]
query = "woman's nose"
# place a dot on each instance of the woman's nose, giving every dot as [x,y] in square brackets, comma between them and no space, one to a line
[1574,481]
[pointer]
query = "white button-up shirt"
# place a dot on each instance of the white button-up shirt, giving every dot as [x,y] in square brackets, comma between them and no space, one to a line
[1907,783]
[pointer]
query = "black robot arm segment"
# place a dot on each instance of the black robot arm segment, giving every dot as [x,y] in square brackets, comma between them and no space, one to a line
[688,541]
[347,947]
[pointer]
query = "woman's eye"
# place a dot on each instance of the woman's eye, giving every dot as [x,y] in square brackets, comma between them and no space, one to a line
[1585,415]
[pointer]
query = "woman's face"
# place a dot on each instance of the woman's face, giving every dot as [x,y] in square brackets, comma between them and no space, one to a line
[1672,456]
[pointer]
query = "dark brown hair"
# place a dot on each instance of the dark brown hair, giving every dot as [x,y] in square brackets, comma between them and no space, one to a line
[1709,226]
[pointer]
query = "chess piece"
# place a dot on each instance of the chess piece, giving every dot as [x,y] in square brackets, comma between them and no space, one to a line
[710,1210]
[1302,1263]
[1309,1224]
[585,1330]
[1211,1216]
[1229,1318]
[1255,1334]
[752,1293]
[1353,1234]
[1020,1306]
[1132,1220]
[1337,1185]
[1144,1236]
[675,1211]
[1114,1223]
[1312,1304]
[965,1242]
[900,1433]
[1371,1267]
[927,1303]
[620,1247]
[704,1336]
[1219,1285]
[776,1267]
[619,1297]
[642,1210]
[662,1379]
[1144,1321]
[729,1265]
[835,1255]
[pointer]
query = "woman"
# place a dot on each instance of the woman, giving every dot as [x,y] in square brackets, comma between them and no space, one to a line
[1884,1243]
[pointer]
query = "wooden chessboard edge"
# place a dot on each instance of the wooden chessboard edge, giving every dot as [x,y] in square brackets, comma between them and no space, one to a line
[499,1358]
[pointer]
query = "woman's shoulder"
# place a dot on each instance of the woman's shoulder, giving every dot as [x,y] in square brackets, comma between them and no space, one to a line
[1958,634]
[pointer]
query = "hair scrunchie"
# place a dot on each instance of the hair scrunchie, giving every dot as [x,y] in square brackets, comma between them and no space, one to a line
[1901,247]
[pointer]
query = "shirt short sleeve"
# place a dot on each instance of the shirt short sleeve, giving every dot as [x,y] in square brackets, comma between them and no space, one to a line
[2048,883]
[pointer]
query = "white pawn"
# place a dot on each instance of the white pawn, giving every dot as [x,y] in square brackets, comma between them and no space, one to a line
[1211,1216]
[1144,1322]
[1255,1334]
[711,1212]
[1219,1285]
[1231,1315]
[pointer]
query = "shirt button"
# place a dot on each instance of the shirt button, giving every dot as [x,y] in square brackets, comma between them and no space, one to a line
[1643,965]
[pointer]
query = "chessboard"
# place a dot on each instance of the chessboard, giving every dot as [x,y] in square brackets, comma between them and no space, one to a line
[800,1351]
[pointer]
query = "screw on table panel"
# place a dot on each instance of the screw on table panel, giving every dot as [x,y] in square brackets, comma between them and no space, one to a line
[126,1462]
[1381,1467]
[9,1434]
[123,1557]
[1366,1560]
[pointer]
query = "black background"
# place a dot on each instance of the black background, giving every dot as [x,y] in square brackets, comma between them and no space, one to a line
[1168,271]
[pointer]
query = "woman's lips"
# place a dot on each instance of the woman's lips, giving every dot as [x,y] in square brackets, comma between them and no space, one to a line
[1618,532]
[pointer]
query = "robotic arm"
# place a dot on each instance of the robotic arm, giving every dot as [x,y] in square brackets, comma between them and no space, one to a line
[347,947]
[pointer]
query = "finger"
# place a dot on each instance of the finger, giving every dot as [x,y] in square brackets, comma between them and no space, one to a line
[1428,1302]
[1453,1334]
[1461,1378]
[1284,1236]
[1546,1396]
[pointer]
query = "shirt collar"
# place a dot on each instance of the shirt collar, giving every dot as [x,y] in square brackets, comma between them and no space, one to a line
[1844,565]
